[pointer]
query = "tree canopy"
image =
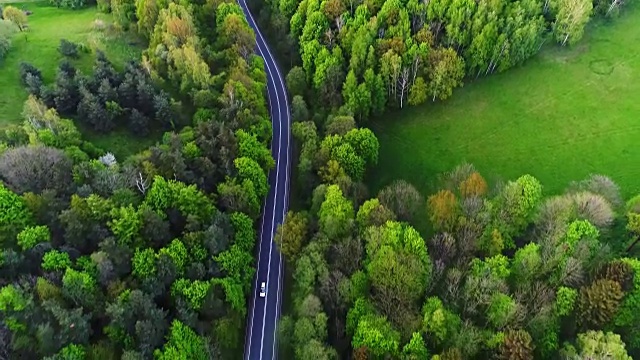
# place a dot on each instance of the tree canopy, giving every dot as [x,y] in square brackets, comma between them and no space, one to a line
[149,256]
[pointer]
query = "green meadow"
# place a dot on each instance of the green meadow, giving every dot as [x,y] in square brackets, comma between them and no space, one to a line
[561,116]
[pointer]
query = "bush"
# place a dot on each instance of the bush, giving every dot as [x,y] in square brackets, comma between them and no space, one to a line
[68,49]
[34,84]
[104,6]
[26,69]
[69,4]
[83,48]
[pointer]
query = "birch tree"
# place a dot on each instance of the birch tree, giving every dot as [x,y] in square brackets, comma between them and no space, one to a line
[571,18]
[446,73]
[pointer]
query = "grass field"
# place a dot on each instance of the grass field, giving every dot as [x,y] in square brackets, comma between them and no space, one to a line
[39,46]
[564,114]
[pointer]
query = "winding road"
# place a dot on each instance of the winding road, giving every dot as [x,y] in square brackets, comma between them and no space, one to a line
[264,312]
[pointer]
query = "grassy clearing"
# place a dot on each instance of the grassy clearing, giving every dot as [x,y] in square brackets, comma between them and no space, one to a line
[563,115]
[39,46]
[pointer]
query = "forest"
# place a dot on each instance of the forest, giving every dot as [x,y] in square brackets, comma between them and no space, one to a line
[507,273]
[362,57]
[149,256]
[504,271]
[152,255]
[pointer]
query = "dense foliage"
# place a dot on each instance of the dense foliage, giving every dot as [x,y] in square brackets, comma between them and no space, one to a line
[106,100]
[373,54]
[71,4]
[150,256]
[506,273]
[15,16]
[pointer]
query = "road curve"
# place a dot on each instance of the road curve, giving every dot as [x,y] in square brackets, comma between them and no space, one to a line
[262,320]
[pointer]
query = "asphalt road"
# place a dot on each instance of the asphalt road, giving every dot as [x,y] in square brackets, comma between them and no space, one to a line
[262,321]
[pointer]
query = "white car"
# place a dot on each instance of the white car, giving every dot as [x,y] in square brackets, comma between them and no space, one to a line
[263,289]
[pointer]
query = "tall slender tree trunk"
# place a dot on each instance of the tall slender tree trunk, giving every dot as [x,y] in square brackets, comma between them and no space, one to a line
[635,242]
[614,4]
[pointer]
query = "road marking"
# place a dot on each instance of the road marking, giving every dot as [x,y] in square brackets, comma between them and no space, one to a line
[275,202]
[287,180]
[263,223]
[284,210]
[264,207]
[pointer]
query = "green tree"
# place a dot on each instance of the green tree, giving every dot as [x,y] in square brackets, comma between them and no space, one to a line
[299,111]
[627,319]
[16,16]
[147,15]
[144,263]
[170,194]
[415,349]
[14,215]
[249,169]
[571,18]
[291,234]
[365,143]
[238,265]
[440,324]
[239,197]
[340,125]
[446,70]
[526,263]
[193,291]
[296,81]
[241,36]
[70,352]
[377,336]
[79,287]
[177,252]
[357,97]
[398,267]
[55,260]
[126,224]
[501,311]
[565,300]
[419,92]
[249,146]
[244,232]
[33,235]
[188,69]
[336,213]
[599,345]
[183,344]
[372,213]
